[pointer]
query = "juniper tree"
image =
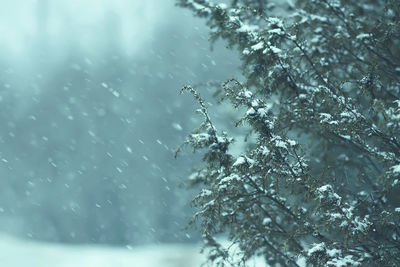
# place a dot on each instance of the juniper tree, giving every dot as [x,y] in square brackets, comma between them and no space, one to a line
[321,89]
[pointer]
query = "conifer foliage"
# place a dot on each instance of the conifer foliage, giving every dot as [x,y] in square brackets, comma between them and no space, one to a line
[321,86]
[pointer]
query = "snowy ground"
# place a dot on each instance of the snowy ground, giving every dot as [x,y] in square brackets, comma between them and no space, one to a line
[22,253]
[16,252]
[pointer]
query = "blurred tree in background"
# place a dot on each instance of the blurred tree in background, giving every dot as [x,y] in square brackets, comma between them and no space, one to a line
[88,115]
[321,93]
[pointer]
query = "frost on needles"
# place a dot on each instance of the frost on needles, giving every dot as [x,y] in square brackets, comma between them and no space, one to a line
[321,90]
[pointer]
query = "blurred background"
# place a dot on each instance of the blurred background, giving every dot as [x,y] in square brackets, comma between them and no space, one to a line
[90,118]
